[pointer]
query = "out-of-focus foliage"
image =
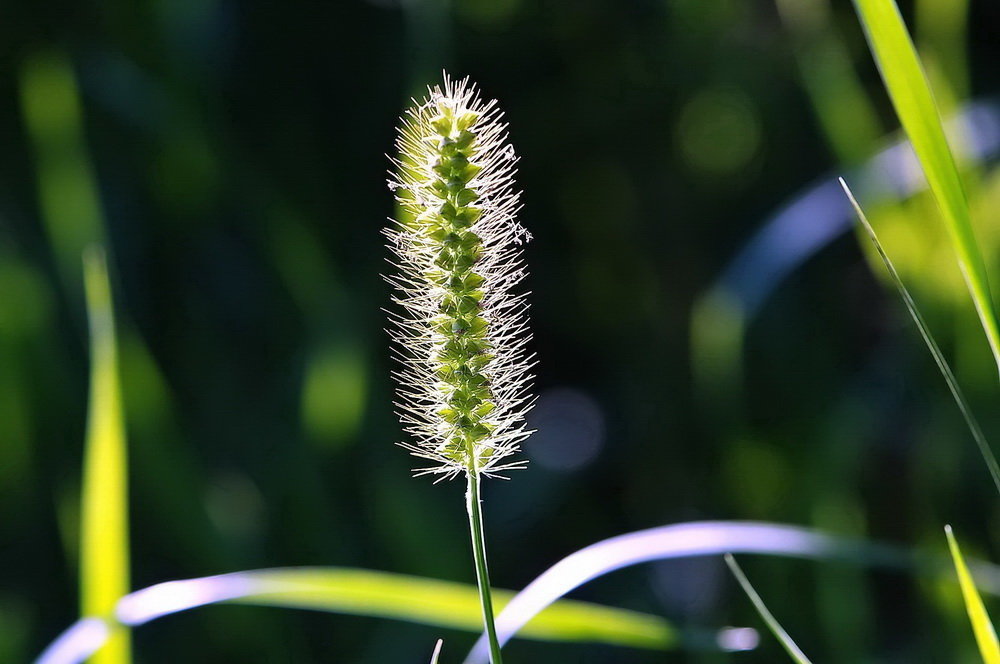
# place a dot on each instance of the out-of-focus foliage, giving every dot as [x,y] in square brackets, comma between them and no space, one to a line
[230,156]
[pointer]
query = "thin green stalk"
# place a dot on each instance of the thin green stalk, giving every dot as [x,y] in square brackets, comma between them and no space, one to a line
[772,623]
[925,332]
[482,572]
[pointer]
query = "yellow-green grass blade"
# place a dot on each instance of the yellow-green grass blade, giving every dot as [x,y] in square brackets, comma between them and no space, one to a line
[986,636]
[935,350]
[104,549]
[914,103]
[441,604]
[448,604]
[772,624]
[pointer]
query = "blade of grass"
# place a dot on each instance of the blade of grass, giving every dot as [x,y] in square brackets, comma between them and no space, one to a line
[925,333]
[366,593]
[786,641]
[678,540]
[450,604]
[914,103]
[986,636]
[104,549]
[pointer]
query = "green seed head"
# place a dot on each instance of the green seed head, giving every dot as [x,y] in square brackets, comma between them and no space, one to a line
[461,337]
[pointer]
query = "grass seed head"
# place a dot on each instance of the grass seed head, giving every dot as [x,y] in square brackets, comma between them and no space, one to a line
[461,333]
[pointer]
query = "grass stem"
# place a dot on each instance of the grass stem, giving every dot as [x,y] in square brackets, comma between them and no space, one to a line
[482,572]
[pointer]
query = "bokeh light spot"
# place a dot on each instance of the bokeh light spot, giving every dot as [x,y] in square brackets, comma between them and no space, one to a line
[569,430]
[719,131]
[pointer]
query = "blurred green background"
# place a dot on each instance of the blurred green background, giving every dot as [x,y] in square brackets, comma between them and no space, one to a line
[231,156]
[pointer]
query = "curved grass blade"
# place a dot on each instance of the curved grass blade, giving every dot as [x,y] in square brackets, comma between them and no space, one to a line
[786,641]
[104,548]
[699,538]
[557,622]
[925,333]
[368,593]
[986,636]
[914,103]
[449,604]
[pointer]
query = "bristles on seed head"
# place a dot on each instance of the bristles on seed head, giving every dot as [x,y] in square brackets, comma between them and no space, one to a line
[462,332]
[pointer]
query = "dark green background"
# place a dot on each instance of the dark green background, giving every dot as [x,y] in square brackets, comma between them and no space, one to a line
[238,150]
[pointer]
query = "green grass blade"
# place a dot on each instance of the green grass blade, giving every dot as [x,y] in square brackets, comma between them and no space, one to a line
[67,185]
[448,604]
[925,332]
[442,604]
[104,550]
[786,641]
[914,103]
[986,636]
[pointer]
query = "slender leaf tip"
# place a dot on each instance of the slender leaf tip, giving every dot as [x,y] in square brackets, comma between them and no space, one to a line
[982,627]
[772,623]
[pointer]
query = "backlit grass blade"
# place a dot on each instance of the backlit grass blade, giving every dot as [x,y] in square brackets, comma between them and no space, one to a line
[104,549]
[448,604]
[925,332]
[914,103]
[786,641]
[366,593]
[986,637]
[678,540]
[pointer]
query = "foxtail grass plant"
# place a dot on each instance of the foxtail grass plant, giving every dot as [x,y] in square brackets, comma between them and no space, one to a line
[461,335]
